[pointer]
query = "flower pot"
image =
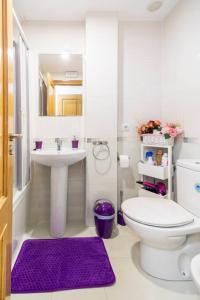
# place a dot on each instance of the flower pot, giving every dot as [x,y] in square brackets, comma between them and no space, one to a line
[157,139]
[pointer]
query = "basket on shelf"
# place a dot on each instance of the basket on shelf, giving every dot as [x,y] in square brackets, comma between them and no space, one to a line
[157,139]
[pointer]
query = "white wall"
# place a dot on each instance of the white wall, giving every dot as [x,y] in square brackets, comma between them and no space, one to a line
[159,75]
[52,38]
[139,95]
[139,91]
[101,107]
[181,73]
[40,194]
[159,71]
[21,214]
[181,66]
[101,76]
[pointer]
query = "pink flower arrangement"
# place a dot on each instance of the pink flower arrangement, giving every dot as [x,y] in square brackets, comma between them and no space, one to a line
[170,130]
[149,127]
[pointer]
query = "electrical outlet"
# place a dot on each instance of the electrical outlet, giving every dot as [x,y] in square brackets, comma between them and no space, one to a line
[125,127]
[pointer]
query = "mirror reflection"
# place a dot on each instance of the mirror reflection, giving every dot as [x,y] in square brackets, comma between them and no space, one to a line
[60,84]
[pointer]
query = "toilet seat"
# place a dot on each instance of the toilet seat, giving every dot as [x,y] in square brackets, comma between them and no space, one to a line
[156,212]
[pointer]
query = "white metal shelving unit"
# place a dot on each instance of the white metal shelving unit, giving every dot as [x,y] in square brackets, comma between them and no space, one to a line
[156,172]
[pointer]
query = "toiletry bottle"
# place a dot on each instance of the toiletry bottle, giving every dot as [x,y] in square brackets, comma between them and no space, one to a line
[149,157]
[165,160]
[159,154]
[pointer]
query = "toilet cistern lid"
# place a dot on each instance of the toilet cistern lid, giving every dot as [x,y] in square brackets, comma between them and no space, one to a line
[156,212]
[191,164]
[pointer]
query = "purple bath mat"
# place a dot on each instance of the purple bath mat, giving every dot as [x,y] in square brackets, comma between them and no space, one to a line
[49,265]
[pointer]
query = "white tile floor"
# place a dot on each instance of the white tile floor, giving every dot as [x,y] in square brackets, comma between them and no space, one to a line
[132,282]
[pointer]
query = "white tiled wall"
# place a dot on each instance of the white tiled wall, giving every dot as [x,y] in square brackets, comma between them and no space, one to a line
[181,66]
[101,178]
[101,76]
[101,107]
[40,194]
[152,71]
[181,73]
[139,91]
[21,214]
[52,38]
[160,70]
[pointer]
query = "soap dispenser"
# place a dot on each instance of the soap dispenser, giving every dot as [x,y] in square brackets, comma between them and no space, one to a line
[75,143]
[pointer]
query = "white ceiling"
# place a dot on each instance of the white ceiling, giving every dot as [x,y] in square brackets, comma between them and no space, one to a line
[76,10]
[54,63]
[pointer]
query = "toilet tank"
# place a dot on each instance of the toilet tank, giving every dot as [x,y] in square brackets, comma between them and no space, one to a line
[188,185]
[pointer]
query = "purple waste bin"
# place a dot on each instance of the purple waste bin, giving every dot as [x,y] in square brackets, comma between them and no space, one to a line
[104,215]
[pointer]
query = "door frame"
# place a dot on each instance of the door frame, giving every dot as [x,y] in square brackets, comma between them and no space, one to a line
[7,115]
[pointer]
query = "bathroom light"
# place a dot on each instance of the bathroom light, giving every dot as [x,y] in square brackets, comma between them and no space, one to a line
[155,5]
[71,74]
[65,55]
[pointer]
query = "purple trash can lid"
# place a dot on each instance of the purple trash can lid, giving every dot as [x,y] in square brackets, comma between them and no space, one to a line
[104,208]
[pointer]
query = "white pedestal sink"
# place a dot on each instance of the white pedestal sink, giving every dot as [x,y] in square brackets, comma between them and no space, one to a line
[59,162]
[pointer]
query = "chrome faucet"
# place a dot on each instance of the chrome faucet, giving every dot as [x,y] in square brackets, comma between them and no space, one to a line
[59,143]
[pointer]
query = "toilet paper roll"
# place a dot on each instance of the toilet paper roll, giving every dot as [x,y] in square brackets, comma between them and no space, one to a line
[124,161]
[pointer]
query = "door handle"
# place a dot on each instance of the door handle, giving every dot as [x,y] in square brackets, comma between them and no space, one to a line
[14,136]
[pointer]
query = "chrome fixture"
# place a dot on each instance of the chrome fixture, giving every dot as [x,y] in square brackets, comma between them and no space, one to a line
[14,136]
[59,143]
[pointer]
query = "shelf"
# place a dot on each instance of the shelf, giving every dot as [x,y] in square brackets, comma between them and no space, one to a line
[158,146]
[144,193]
[158,172]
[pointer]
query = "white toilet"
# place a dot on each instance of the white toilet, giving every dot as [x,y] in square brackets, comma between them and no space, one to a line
[195,271]
[169,231]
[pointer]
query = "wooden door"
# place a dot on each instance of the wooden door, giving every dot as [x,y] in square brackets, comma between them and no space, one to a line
[70,105]
[50,96]
[6,121]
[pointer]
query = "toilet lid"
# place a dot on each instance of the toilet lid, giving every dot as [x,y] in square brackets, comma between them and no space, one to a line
[156,212]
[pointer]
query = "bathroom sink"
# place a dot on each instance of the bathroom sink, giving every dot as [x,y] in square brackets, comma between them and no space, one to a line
[54,158]
[58,161]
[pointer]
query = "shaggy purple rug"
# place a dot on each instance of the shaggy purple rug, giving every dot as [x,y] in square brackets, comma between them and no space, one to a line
[48,265]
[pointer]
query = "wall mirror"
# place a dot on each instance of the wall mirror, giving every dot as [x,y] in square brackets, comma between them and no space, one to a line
[60,84]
